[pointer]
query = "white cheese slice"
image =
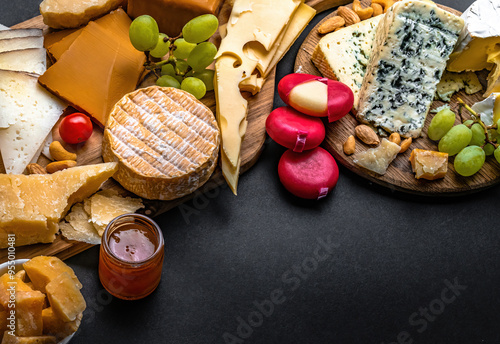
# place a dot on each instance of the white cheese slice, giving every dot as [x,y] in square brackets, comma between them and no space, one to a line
[34,112]
[21,43]
[25,60]
[489,109]
[17,33]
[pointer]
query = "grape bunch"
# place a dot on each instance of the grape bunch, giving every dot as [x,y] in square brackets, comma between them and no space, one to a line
[471,142]
[181,61]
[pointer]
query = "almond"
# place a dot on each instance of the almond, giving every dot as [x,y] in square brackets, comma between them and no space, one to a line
[350,145]
[349,15]
[331,24]
[367,135]
[36,169]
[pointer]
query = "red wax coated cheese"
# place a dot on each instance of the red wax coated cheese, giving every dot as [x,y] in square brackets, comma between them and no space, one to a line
[294,130]
[316,96]
[310,175]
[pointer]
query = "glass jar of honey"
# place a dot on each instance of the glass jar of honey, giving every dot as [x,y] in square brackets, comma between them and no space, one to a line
[131,256]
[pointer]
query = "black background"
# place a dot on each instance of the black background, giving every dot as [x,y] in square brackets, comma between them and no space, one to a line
[390,257]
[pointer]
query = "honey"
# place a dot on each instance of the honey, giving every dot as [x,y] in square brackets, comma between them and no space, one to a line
[131,257]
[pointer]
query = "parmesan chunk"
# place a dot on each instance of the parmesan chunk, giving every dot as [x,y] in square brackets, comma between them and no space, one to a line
[378,159]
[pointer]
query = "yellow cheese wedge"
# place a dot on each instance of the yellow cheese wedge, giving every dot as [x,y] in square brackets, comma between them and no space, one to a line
[99,68]
[32,206]
[43,269]
[64,14]
[29,305]
[65,298]
[429,165]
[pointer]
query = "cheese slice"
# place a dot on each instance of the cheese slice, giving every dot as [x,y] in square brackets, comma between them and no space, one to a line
[412,44]
[99,68]
[32,206]
[56,36]
[21,43]
[78,226]
[17,33]
[26,60]
[344,54]
[166,142]
[378,159]
[31,112]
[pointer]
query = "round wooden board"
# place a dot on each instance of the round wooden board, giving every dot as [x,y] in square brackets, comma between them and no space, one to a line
[399,176]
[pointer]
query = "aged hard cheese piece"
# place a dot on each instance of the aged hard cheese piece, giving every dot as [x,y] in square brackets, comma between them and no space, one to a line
[65,298]
[43,269]
[343,55]
[259,21]
[16,33]
[78,226]
[62,14]
[99,68]
[165,141]
[378,159]
[18,43]
[30,112]
[429,165]
[412,44]
[29,305]
[52,325]
[5,283]
[25,60]
[454,82]
[32,206]
[171,15]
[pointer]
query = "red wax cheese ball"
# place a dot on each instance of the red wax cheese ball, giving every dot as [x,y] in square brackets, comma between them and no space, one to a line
[294,130]
[310,175]
[316,96]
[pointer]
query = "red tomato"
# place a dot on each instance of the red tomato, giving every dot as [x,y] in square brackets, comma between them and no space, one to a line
[75,128]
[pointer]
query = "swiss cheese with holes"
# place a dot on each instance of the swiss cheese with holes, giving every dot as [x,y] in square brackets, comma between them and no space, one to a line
[165,141]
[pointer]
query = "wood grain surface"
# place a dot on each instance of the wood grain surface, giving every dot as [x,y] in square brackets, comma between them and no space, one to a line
[259,107]
[399,176]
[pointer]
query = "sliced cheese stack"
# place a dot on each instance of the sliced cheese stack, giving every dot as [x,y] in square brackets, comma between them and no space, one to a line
[257,35]
[96,66]
[343,55]
[165,141]
[412,45]
[479,46]
[32,206]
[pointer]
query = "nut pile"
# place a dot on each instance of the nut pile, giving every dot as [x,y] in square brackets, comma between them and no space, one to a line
[368,136]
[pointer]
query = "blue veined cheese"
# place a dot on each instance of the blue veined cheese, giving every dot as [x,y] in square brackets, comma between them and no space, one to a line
[412,44]
[454,82]
[343,55]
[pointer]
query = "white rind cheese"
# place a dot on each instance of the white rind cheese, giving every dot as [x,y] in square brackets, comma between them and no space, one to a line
[165,141]
[343,55]
[412,44]
[31,112]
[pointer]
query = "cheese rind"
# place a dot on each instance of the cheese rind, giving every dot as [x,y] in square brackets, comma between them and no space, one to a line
[343,55]
[165,141]
[412,44]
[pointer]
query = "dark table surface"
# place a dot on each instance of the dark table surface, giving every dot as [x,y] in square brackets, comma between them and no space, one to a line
[364,265]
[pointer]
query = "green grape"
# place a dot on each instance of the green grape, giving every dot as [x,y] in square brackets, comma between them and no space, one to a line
[441,123]
[207,76]
[497,154]
[469,161]
[498,126]
[168,81]
[179,78]
[489,149]
[200,29]
[162,47]
[478,135]
[183,48]
[194,86]
[143,33]
[202,56]
[168,69]
[456,139]
[493,134]
[469,122]
[181,67]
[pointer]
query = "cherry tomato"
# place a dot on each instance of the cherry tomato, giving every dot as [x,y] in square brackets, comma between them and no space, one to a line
[75,128]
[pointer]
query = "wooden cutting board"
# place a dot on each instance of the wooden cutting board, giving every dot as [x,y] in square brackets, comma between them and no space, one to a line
[399,176]
[259,107]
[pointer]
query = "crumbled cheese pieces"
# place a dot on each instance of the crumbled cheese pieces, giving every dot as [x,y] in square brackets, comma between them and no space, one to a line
[343,55]
[166,142]
[413,42]
[454,82]
[429,165]
[378,159]
[32,206]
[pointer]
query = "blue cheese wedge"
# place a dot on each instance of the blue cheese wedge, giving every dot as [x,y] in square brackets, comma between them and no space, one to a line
[413,42]
[343,55]
[454,82]
[378,159]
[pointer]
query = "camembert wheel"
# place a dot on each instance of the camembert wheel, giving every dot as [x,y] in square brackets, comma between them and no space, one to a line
[165,141]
